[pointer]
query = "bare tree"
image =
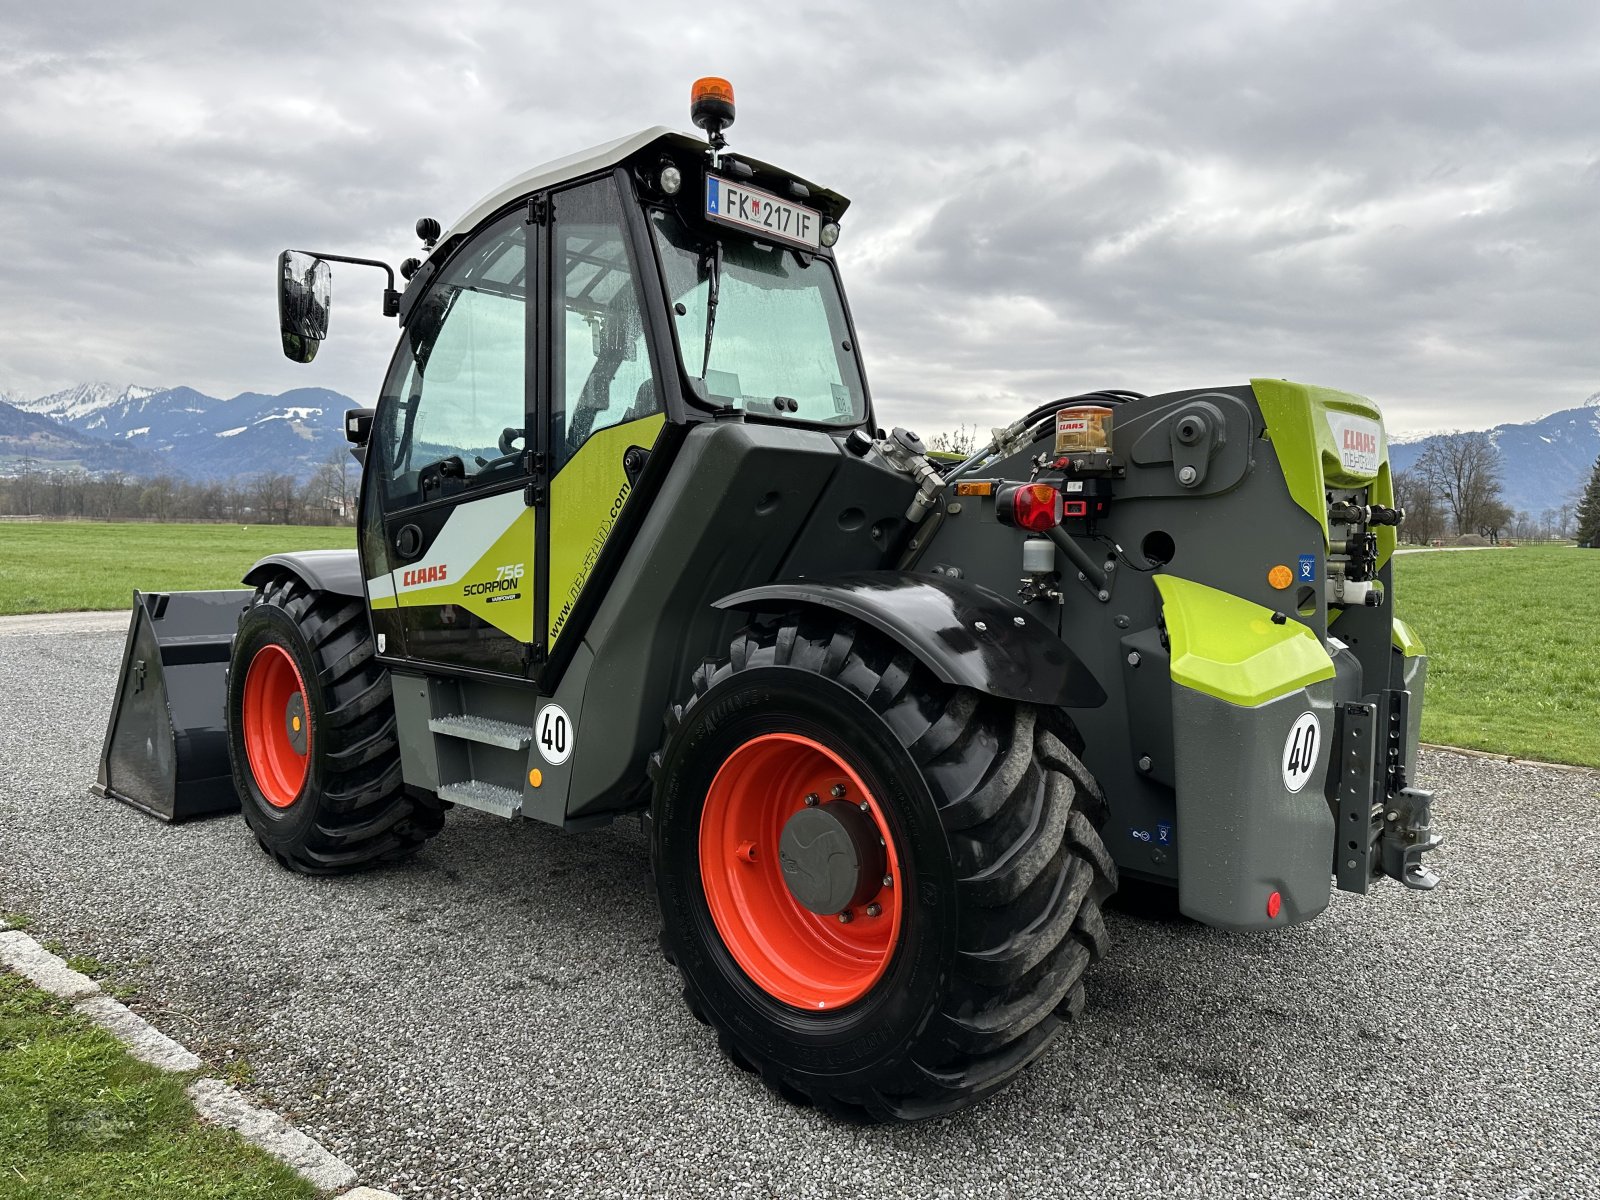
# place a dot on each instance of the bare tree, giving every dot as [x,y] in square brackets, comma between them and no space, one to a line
[1493,518]
[1424,521]
[961,440]
[1463,469]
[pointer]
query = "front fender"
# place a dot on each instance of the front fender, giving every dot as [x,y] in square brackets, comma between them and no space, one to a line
[336,571]
[966,635]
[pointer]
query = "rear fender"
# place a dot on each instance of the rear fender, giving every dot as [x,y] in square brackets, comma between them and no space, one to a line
[966,635]
[336,571]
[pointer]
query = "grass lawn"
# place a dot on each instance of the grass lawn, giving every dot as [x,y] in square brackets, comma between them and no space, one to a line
[82,1120]
[1511,635]
[64,567]
[1514,648]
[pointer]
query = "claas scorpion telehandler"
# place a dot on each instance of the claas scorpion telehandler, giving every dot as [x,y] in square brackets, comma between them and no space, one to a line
[920,714]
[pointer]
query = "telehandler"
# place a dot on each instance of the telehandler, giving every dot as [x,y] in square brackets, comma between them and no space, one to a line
[920,714]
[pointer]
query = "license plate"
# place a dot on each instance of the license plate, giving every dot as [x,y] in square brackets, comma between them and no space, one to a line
[761,212]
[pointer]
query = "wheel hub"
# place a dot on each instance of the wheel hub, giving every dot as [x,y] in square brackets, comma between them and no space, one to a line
[831,857]
[805,892]
[294,722]
[277,731]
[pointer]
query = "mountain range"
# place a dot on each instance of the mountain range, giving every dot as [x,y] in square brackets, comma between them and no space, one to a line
[178,431]
[175,431]
[1544,463]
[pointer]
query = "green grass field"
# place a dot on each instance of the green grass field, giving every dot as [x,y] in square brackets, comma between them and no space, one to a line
[82,1120]
[67,567]
[1514,648]
[1511,634]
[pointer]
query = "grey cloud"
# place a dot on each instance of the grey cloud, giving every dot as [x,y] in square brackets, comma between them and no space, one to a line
[1395,200]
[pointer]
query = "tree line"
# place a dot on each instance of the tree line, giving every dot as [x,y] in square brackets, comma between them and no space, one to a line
[270,498]
[1455,489]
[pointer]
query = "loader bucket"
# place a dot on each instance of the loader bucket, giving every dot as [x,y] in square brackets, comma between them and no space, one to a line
[166,747]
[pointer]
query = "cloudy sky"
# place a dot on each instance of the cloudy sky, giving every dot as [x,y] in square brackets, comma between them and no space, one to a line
[1398,200]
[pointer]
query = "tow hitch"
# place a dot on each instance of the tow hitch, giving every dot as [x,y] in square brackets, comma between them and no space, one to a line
[1387,825]
[1407,836]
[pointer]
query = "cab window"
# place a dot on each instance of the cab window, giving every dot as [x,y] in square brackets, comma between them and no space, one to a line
[602,372]
[454,404]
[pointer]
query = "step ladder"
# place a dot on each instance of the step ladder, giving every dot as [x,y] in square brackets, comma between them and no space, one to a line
[465,730]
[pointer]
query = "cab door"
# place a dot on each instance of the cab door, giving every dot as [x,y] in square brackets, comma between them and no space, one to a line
[451,461]
[606,395]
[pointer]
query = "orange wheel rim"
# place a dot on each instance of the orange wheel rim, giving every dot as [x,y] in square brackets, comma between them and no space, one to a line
[277,727]
[804,958]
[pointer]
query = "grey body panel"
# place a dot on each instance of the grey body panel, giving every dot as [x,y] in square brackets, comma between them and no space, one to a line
[1228,529]
[1241,834]
[966,635]
[742,506]
[336,571]
[757,517]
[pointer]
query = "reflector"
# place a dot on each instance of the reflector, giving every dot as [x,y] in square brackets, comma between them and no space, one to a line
[1036,507]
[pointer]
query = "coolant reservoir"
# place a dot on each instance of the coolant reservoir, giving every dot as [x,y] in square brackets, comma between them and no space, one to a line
[1083,430]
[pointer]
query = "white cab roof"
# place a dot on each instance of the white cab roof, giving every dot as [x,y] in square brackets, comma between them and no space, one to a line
[596,158]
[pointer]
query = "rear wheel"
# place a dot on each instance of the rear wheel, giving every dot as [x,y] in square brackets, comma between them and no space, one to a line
[881,890]
[311,736]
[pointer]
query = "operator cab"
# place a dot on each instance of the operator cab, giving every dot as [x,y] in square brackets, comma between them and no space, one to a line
[672,282]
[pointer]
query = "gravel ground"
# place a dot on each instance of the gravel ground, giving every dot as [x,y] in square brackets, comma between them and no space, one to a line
[494,1020]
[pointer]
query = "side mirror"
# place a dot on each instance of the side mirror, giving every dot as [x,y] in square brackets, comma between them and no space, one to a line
[358,425]
[305,292]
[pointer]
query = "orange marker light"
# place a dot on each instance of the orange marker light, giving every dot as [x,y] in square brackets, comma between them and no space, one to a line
[982,487]
[1280,577]
[711,105]
[535,778]
[711,86]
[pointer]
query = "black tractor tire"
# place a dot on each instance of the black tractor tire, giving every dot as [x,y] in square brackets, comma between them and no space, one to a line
[996,824]
[351,811]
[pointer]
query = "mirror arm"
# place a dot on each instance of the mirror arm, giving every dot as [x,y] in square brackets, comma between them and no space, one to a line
[391,298]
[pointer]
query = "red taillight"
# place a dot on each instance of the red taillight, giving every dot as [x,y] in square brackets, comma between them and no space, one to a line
[1035,507]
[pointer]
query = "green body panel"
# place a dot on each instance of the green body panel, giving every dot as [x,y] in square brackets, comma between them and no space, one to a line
[1405,641]
[1230,648]
[1297,419]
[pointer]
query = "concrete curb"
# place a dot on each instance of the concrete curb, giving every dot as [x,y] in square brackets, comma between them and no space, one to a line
[214,1100]
[109,621]
[1509,758]
[223,1105]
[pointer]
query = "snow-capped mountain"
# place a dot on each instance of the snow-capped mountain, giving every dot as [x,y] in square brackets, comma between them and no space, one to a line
[79,406]
[189,434]
[1542,462]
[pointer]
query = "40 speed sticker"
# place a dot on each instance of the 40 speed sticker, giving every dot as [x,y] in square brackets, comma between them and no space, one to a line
[554,734]
[1300,751]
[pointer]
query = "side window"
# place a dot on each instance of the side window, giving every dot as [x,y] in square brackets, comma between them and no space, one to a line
[454,403]
[603,362]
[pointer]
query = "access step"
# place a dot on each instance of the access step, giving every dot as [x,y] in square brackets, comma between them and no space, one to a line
[486,797]
[484,730]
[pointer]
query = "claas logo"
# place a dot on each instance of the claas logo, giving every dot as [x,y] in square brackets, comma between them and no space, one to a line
[1361,443]
[423,575]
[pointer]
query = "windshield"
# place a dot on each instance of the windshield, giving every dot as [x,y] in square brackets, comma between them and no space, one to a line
[779,345]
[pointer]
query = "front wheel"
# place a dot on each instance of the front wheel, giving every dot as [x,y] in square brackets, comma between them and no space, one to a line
[882,891]
[311,736]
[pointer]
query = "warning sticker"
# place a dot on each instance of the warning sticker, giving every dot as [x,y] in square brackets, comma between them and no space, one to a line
[554,734]
[1300,751]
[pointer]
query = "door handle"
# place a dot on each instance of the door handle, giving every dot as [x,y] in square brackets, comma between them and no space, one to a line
[408,542]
